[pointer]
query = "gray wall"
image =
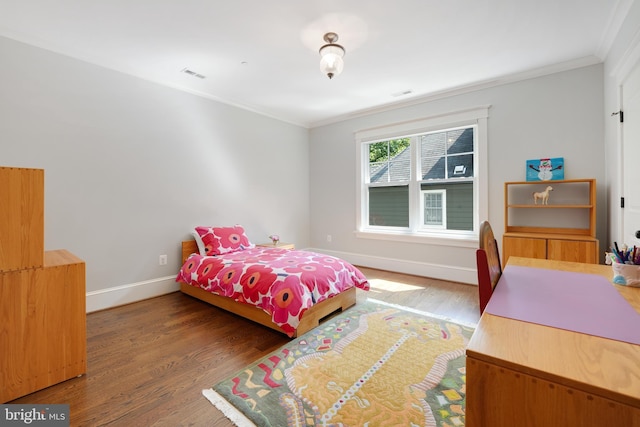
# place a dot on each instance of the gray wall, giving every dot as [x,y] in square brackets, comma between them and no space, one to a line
[557,115]
[131,166]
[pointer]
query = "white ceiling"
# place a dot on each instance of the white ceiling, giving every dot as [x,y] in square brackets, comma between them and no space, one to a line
[263,55]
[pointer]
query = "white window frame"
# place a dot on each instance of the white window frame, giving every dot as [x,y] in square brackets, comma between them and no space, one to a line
[443,210]
[477,117]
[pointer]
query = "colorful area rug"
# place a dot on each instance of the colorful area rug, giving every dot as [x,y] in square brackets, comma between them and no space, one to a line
[373,365]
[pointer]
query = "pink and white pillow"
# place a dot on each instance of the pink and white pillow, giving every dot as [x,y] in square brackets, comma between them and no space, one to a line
[222,240]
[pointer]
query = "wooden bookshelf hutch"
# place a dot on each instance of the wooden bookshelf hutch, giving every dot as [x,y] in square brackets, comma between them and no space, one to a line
[564,229]
[42,294]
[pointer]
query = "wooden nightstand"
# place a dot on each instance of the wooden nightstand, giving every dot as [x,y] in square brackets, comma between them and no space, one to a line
[280,245]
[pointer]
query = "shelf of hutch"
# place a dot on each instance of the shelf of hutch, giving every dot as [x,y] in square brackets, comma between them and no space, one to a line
[564,229]
[42,294]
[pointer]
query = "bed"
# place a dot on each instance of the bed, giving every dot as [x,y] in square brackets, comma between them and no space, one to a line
[257,282]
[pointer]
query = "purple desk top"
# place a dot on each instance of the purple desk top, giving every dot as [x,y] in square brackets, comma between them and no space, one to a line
[578,302]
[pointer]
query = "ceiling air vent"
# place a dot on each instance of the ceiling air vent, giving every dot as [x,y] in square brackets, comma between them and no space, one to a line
[193,73]
[403,93]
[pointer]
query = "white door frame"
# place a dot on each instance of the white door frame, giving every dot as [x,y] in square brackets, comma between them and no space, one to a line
[621,73]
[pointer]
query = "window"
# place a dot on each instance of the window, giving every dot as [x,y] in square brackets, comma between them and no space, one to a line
[444,162]
[422,179]
[434,209]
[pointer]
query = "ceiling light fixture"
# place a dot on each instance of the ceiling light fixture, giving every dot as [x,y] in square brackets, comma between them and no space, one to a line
[331,63]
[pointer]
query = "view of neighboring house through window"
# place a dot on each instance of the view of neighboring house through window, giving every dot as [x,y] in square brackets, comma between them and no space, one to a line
[389,174]
[438,195]
[424,180]
[446,166]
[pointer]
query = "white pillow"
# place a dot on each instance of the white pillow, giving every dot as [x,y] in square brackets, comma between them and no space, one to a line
[199,242]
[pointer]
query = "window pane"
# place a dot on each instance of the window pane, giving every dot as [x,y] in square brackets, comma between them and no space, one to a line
[433,167]
[433,144]
[432,156]
[460,141]
[447,154]
[390,161]
[378,172]
[459,204]
[400,169]
[389,206]
[460,166]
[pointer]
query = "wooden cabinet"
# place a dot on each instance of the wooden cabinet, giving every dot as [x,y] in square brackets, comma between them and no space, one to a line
[21,218]
[531,246]
[563,229]
[573,249]
[42,307]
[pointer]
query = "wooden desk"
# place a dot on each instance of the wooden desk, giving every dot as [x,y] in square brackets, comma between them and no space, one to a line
[528,375]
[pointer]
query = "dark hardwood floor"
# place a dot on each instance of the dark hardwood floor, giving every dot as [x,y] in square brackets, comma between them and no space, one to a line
[149,361]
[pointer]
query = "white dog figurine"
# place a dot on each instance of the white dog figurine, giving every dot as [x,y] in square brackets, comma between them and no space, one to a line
[543,196]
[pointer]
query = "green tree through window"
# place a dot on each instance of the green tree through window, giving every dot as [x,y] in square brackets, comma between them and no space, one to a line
[385,150]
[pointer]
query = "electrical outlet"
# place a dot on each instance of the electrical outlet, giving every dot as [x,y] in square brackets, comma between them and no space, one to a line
[329,238]
[162,260]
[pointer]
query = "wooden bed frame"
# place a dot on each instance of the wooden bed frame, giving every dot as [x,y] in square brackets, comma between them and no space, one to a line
[310,319]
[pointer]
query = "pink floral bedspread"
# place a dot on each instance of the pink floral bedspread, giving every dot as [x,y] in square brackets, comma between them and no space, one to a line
[282,282]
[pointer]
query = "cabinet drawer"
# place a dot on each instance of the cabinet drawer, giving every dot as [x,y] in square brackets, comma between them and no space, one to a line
[573,250]
[524,247]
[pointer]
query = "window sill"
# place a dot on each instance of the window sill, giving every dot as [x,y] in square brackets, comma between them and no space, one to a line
[453,240]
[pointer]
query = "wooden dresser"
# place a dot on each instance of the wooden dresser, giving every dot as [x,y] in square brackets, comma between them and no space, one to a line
[42,294]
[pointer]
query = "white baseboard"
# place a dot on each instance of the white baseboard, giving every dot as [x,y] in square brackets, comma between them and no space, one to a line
[125,294]
[425,269]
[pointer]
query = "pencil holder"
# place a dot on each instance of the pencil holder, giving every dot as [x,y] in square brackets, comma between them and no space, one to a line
[626,274]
